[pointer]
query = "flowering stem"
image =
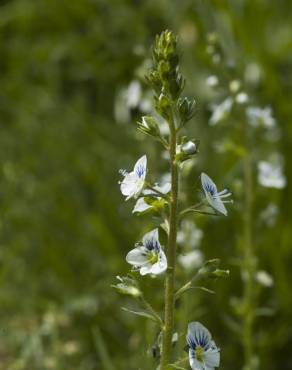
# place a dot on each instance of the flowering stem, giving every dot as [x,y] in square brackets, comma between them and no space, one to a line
[171,255]
[249,257]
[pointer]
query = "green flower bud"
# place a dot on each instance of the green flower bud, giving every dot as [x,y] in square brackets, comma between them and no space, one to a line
[149,126]
[163,106]
[186,109]
[127,286]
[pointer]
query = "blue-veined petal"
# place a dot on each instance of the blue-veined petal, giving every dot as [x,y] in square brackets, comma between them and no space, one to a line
[213,197]
[150,240]
[208,185]
[141,167]
[198,335]
[133,182]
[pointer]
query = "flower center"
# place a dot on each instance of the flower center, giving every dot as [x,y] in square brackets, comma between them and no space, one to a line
[199,352]
[153,257]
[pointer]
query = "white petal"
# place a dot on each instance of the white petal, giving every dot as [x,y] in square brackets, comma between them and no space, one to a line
[146,269]
[217,204]
[161,265]
[198,334]
[137,256]
[165,188]
[194,363]
[141,206]
[129,184]
[140,167]
[212,358]
[208,184]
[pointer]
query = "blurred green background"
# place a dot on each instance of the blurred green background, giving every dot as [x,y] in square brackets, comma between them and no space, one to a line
[71,90]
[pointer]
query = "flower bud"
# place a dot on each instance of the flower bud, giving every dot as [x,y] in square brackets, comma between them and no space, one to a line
[149,126]
[186,109]
[127,286]
[189,148]
[163,106]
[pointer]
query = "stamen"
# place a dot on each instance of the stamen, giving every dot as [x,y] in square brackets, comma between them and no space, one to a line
[123,172]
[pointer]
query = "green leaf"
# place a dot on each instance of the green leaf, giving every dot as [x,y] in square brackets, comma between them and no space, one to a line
[145,314]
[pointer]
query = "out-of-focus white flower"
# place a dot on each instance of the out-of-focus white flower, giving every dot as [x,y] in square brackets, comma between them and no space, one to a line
[203,352]
[221,111]
[189,234]
[216,58]
[149,258]
[241,98]
[134,94]
[260,117]
[213,197]
[234,86]
[133,182]
[263,278]
[212,81]
[253,73]
[269,214]
[191,260]
[270,173]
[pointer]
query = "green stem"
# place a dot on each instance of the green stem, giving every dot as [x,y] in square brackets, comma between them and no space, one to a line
[248,256]
[171,255]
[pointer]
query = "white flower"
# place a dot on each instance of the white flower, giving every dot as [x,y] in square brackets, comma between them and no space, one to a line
[149,258]
[234,86]
[270,174]
[269,214]
[193,259]
[213,197]
[260,117]
[265,279]
[241,98]
[212,81]
[221,111]
[133,182]
[203,352]
[134,94]
[189,234]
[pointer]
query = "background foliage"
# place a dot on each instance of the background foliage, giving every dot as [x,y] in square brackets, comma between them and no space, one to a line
[68,126]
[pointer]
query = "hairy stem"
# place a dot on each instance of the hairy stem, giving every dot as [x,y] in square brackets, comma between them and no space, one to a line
[171,255]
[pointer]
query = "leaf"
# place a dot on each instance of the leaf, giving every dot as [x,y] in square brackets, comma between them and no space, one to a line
[141,313]
[204,289]
[173,366]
